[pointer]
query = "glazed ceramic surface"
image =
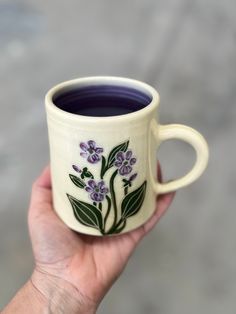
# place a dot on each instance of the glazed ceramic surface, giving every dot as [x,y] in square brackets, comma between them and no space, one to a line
[104,167]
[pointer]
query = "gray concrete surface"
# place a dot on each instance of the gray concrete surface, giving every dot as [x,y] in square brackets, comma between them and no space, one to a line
[187,50]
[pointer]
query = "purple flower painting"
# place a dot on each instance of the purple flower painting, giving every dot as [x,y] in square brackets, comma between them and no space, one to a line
[91,151]
[97,190]
[124,162]
[109,185]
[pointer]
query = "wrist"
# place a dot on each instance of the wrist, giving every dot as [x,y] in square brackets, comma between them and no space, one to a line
[26,300]
[59,296]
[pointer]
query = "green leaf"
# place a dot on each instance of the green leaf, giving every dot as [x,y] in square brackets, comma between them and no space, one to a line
[86,214]
[77,181]
[133,201]
[112,156]
[103,168]
[88,174]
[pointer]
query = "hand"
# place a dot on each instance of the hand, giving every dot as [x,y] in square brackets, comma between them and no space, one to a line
[75,268]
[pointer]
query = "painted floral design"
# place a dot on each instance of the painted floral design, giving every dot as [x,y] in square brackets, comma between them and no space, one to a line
[124,162]
[76,168]
[97,190]
[91,152]
[133,177]
[102,193]
[84,172]
[128,182]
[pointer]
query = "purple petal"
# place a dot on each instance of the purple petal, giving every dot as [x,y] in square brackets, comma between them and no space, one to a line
[88,189]
[92,144]
[133,177]
[124,170]
[118,164]
[94,196]
[98,150]
[92,184]
[90,159]
[104,190]
[101,184]
[128,154]
[83,154]
[120,156]
[128,169]
[93,159]
[98,197]
[83,146]
[132,161]
[76,168]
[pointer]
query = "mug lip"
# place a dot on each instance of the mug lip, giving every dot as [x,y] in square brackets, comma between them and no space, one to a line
[101,80]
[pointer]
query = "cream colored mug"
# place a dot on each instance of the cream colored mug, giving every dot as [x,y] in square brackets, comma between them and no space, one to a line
[103,137]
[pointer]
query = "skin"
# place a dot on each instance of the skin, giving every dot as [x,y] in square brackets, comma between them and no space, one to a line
[73,272]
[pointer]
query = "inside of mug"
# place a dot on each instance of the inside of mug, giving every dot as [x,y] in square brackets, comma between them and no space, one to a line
[101,100]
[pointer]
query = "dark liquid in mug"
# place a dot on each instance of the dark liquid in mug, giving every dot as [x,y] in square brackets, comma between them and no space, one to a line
[102,100]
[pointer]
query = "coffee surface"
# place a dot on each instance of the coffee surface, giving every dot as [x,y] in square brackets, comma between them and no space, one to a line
[102,100]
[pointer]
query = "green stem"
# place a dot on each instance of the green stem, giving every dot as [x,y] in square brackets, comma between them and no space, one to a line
[118,230]
[100,206]
[115,228]
[103,168]
[108,210]
[102,173]
[126,190]
[95,204]
[113,198]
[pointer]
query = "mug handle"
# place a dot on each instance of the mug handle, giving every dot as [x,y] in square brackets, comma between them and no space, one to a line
[192,137]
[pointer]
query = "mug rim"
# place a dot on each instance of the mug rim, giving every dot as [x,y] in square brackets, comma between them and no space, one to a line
[101,80]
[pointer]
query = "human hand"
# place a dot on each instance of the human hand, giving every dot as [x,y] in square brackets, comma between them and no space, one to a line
[73,270]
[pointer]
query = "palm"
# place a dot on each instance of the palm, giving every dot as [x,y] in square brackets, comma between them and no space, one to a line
[91,264]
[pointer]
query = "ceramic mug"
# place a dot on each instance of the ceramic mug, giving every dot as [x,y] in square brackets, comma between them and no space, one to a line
[103,138]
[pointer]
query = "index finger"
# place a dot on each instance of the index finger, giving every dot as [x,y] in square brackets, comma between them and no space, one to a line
[44,180]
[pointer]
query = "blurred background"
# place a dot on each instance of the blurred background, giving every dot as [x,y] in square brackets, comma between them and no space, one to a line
[185,49]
